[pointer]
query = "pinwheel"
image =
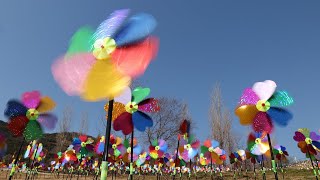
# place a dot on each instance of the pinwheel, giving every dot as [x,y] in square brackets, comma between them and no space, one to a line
[100,64]
[83,146]
[234,157]
[137,149]
[118,148]
[210,149]
[203,160]
[307,141]
[3,145]
[158,148]
[99,148]
[258,143]
[280,152]
[28,117]
[141,159]
[134,111]
[58,158]
[31,148]
[261,106]
[70,156]
[188,148]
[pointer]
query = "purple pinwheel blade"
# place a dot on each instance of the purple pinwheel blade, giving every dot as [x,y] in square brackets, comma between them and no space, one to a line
[149,105]
[314,136]
[137,28]
[280,116]
[141,121]
[248,97]
[48,121]
[299,136]
[14,109]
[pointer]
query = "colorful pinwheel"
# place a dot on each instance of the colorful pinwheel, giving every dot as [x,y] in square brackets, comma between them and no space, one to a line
[137,149]
[234,158]
[242,154]
[280,152]
[118,148]
[261,106]
[210,149]
[188,148]
[141,159]
[307,141]
[100,64]
[258,143]
[83,146]
[29,117]
[203,160]
[134,111]
[158,148]
[99,148]
[3,145]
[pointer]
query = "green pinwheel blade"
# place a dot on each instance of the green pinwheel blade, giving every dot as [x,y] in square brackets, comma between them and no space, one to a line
[139,94]
[250,145]
[126,143]
[280,99]
[155,142]
[83,151]
[182,162]
[117,153]
[190,139]
[305,132]
[204,149]
[275,151]
[33,131]
[81,41]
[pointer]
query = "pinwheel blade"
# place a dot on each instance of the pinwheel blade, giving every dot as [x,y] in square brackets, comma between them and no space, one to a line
[81,41]
[134,60]
[249,97]
[48,121]
[150,105]
[33,131]
[118,109]
[299,136]
[262,123]
[280,99]
[15,108]
[141,121]
[139,94]
[31,99]
[46,104]
[123,123]
[137,28]
[314,136]
[246,114]
[305,132]
[280,116]
[17,125]
[264,90]
[125,97]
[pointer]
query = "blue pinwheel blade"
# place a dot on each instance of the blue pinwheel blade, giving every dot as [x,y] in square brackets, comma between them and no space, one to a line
[138,27]
[214,143]
[164,148]
[141,121]
[76,141]
[283,148]
[316,144]
[280,116]
[137,150]
[15,108]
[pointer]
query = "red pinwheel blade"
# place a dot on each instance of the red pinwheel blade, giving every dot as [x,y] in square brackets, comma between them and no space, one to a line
[262,123]
[298,137]
[150,105]
[184,127]
[83,138]
[133,60]
[17,125]
[123,123]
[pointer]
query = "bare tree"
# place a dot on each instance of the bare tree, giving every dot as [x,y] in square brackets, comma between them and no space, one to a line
[84,123]
[221,122]
[64,127]
[166,122]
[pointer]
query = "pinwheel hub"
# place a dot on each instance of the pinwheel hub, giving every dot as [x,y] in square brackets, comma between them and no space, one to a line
[132,107]
[280,152]
[114,146]
[157,148]
[187,146]
[211,149]
[32,114]
[263,105]
[102,139]
[258,141]
[103,48]
[308,140]
[83,144]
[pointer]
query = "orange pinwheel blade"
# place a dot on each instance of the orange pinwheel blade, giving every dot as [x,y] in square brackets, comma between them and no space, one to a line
[46,104]
[118,109]
[246,114]
[104,81]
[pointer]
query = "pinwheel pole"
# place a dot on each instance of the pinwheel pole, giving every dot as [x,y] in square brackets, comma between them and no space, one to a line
[104,164]
[314,170]
[176,159]
[281,167]
[273,162]
[16,160]
[262,168]
[131,158]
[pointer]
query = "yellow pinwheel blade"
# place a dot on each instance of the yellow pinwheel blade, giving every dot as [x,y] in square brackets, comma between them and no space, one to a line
[104,81]
[46,104]
[118,109]
[246,114]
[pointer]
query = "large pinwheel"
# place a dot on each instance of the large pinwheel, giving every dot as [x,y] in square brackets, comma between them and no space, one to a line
[280,152]
[261,106]
[158,148]
[134,111]
[83,146]
[258,143]
[307,141]
[210,149]
[188,148]
[99,64]
[28,117]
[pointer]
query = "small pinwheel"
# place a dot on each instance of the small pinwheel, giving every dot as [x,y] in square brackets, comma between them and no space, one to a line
[137,149]
[242,154]
[203,160]
[141,159]
[234,158]
[169,160]
[58,158]
[28,118]
[188,148]
[99,148]
[210,149]
[280,152]
[307,141]
[134,111]
[261,106]
[258,143]
[70,156]
[83,146]
[117,148]
[100,64]
[3,145]
[158,148]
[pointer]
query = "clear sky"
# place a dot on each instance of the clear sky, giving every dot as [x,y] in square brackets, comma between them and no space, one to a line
[235,43]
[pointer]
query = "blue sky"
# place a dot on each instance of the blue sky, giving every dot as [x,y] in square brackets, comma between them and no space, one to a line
[235,43]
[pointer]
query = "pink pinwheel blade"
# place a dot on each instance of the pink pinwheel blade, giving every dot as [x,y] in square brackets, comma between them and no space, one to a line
[48,121]
[133,60]
[31,99]
[161,142]
[196,144]
[314,136]
[70,72]
[262,123]
[299,136]
[149,105]
[248,97]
